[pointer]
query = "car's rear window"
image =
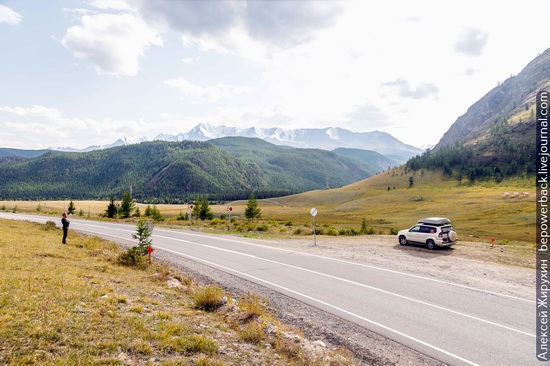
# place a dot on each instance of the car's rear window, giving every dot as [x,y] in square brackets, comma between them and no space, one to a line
[446,229]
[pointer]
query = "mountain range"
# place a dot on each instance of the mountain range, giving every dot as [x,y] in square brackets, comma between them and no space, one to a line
[312,138]
[316,138]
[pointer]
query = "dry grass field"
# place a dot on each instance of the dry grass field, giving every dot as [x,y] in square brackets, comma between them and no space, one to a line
[75,305]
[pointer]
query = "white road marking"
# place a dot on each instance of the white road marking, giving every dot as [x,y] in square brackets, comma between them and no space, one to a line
[367,286]
[325,304]
[354,282]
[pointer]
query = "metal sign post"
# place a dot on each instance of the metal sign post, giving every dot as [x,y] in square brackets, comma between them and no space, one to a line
[229,209]
[313,214]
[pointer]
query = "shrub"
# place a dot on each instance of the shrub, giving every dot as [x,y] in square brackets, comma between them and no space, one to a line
[209,298]
[348,232]
[50,225]
[263,227]
[393,231]
[288,223]
[215,222]
[132,258]
[192,344]
[253,332]
[298,231]
[251,306]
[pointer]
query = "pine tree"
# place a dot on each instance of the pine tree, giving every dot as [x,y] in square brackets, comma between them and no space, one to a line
[143,236]
[205,213]
[252,209]
[110,212]
[72,208]
[196,209]
[127,205]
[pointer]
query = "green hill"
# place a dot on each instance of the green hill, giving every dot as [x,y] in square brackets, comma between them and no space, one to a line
[11,155]
[178,171]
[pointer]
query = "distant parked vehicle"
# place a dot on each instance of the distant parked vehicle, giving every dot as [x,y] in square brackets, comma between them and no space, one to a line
[432,231]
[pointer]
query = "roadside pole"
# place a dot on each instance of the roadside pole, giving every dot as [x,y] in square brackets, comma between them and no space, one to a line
[313,214]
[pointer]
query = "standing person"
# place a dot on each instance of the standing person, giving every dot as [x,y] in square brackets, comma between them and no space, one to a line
[65,224]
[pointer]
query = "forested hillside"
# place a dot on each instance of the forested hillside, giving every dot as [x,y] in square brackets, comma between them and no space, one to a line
[176,171]
[495,138]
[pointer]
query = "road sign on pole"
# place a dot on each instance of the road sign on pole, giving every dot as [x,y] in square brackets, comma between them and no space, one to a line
[313,214]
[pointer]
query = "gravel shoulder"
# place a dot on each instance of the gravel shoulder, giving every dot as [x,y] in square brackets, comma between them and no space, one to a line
[463,264]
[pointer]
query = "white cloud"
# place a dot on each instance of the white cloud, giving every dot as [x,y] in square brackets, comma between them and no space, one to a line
[36,111]
[404,89]
[206,93]
[238,26]
[110,4]
[368,117]
[471,42]
[37,122]
[9,16]
[112,42]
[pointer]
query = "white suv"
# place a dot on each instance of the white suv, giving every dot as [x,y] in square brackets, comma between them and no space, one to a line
[432,231]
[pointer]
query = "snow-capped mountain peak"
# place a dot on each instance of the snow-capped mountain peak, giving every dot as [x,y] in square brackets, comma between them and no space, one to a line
[320,138]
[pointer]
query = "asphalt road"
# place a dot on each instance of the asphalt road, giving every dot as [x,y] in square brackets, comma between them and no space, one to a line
[456,324]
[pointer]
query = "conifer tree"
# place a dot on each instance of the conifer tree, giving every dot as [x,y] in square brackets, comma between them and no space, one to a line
[71,208]
[252,209]
[127,205]
[110,212]
[205,213]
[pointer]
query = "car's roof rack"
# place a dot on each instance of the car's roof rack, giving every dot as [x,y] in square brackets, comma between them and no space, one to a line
[437,221]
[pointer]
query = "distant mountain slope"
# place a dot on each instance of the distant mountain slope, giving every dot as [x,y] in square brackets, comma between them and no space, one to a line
[294,164]
[373,159]
[10,155]
[175,171]
[495,138]
[317,138]
[513,100]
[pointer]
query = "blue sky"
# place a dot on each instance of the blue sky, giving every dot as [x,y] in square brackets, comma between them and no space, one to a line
[79,73]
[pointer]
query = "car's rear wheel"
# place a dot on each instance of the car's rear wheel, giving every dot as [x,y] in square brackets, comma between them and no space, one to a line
[431,244]
[403,240]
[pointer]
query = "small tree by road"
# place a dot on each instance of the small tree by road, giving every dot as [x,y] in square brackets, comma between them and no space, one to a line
[135,256]
[252,210]
[143,236]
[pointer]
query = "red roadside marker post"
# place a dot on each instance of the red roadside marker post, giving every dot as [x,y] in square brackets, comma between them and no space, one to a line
[149,251]
[229,209]
[190,207]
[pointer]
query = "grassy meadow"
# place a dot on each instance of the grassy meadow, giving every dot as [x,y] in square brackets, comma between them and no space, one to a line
[478,211]
[76,305]
[386,201]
